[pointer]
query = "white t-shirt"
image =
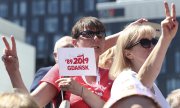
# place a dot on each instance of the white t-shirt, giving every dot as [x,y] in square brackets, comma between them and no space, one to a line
[128,76]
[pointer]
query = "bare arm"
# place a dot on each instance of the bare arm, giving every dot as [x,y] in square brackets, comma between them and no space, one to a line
[110,40]
[43,94]
[91,99]
[152,66]
[11,63]
[69,84]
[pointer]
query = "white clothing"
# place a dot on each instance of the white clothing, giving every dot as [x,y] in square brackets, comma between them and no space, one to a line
[160,98]
[128,78]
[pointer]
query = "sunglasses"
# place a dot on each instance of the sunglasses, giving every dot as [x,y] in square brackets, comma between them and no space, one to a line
[145,43]
[90,34]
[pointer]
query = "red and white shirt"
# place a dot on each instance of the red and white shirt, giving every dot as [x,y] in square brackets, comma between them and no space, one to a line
[102,88]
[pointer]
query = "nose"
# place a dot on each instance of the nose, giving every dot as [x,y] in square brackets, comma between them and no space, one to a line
[96,37]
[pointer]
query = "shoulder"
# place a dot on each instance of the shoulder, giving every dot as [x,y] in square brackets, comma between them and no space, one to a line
[126,74]
[102,70]
[45,68]
[126,77]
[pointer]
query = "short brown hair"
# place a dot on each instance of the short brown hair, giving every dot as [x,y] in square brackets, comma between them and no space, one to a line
[89,23]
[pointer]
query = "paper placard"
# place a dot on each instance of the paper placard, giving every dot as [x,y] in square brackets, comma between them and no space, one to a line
[77,62]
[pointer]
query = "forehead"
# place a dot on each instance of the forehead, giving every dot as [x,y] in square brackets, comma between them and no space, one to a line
[146,32]
[146,35]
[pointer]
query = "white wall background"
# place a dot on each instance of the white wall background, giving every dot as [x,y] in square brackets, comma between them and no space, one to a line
[135,9]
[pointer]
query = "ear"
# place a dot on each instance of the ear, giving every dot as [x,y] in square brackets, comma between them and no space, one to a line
[55,56]
[74,42]
[128,54]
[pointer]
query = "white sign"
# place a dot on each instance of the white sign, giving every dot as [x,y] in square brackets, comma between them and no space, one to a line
[77,62]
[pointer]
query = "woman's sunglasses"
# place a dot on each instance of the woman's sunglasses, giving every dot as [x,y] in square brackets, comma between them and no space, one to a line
[91,34]
[145,43]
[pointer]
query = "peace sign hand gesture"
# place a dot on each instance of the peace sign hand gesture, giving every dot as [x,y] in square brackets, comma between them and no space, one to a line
[169,24]
[9,57]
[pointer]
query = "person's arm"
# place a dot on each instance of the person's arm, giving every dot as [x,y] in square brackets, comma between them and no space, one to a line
[110,40]
[152,66]
[93,100]
[11,63]
[43,94]
[69,84]
[38,76]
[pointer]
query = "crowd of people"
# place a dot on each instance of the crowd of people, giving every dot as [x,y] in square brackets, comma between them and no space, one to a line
[128,63]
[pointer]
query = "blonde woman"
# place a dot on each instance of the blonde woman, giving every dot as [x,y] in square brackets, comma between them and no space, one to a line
[139,55]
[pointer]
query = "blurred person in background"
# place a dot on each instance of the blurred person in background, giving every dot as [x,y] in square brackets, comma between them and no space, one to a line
[17,99]
[173,98]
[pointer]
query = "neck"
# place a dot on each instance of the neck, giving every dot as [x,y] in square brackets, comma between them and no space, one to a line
[90,79]
[136,66]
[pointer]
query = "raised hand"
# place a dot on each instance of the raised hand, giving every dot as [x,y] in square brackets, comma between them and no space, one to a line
[9,57]
[169,24]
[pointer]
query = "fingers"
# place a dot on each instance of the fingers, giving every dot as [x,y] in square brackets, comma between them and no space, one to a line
[13,44]
[173,11]
[167,12]
[6,43]
[64,83]
[170,16]
[142,20]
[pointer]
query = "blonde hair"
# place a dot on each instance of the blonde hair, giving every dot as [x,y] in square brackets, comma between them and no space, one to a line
[129,36]
[106,59]
[16,100]
[174,98]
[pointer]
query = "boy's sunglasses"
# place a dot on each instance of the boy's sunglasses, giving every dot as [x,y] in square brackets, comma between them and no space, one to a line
[91,34]
[145,43]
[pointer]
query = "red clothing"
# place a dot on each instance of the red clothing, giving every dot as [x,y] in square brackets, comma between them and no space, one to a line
[102,89]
